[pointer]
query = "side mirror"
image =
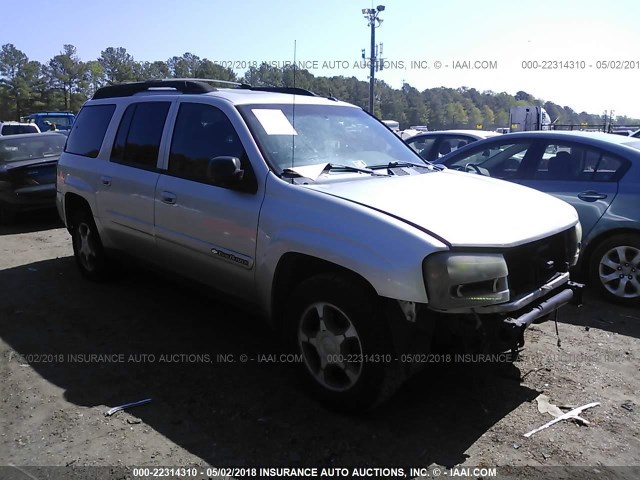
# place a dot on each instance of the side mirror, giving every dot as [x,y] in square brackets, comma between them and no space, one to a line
[225,171]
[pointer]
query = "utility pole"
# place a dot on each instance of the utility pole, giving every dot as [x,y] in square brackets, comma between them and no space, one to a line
[373,17]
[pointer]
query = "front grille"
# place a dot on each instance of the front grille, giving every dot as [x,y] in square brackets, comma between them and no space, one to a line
[534,264]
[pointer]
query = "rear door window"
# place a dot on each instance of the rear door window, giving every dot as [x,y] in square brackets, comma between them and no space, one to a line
[572,162]
[138,139]
[88,131]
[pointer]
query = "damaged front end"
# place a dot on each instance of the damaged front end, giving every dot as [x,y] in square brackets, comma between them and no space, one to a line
[483,300]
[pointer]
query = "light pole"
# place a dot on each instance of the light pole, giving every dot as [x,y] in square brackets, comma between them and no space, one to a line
[372,15]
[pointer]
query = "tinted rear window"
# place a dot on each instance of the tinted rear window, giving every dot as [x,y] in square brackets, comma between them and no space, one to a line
[89,129]
[139,134]
[16,129]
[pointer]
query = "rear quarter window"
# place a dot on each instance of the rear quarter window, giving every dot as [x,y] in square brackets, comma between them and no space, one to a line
[89,130]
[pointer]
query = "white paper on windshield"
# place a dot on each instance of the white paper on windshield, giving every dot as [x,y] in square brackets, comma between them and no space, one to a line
[274,122]
[309,171]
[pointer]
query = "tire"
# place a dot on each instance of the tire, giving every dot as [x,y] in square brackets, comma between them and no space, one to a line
[614,269]
[87,247]
[335,324]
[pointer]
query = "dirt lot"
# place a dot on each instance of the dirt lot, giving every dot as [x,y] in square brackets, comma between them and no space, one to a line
[160,339]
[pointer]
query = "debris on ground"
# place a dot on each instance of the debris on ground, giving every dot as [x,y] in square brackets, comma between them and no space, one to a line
[113,410]
[573,414]
[628,406]
[544,406]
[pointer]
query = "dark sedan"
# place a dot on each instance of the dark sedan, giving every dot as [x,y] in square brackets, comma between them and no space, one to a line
[597,173]
[28,172]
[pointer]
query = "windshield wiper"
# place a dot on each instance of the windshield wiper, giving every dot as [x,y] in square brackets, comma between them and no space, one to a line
[429,165]
[350,168]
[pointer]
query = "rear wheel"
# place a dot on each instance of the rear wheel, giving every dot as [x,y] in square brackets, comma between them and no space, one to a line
[336,326]
[615,269]
[87,247]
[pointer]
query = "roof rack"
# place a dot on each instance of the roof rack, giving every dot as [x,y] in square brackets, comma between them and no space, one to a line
[128,89]
[187,85]
[290,90]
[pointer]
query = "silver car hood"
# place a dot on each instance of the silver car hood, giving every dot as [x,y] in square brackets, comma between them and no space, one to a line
[461,208]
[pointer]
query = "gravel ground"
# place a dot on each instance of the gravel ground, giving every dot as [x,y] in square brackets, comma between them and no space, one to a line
[70,350]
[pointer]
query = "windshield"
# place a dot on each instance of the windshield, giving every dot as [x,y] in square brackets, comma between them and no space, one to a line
[321,134]
[17,148]
[50,121]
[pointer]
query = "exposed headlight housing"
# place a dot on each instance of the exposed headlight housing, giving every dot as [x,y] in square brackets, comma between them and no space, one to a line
[464,280]
[577,232]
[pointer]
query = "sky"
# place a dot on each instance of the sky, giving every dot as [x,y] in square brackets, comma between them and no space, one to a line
[484,44]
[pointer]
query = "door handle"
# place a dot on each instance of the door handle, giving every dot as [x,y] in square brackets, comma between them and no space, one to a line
[591,196]
[106,181]
[168,198]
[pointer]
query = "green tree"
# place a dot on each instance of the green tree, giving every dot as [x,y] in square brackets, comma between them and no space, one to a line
[265,75]
[94,77]
[456,115]
[185,66]
[119,66]
[488,117]
[417,111]
[502,119]
[208,69]
[475,116]
[155,70]
[20,77]
[67,73]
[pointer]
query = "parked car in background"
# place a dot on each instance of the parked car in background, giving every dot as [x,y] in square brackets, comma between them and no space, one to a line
[51,120]
[597,173]
[28,172]
[433,145]
[15,128]
[624,131]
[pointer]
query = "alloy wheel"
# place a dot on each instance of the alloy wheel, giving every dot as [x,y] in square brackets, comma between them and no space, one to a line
[619,271]
[330,346]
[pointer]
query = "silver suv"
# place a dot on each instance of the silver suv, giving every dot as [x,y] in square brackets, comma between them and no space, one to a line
[367,258]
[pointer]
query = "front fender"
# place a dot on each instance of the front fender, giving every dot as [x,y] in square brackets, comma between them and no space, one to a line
[383,250]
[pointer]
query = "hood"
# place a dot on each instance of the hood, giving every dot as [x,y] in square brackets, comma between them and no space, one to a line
[462,209]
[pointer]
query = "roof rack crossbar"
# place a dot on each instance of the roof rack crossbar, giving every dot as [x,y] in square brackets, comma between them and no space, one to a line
[290,90]
[129,89]
[211,80]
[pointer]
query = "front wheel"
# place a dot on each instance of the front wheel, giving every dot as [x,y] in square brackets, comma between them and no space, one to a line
[87,247]
[347,360]
[615,269]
